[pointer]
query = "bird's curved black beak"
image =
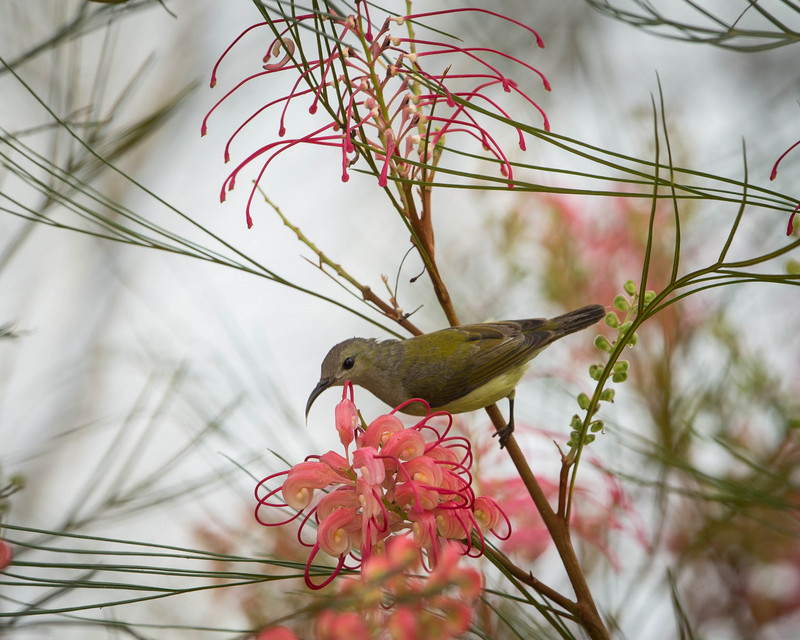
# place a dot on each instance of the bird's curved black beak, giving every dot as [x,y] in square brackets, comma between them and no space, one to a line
[323,384]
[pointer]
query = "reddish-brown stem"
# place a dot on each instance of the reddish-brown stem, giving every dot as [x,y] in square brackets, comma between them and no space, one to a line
[585,608]
[389,311]
[563,488]
[424,239]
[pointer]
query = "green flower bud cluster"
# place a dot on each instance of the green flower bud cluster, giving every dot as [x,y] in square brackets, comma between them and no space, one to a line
[626,303]
[607,395]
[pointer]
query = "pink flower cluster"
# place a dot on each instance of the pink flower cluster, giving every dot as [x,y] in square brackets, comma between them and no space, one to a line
[375,94]
[392,600]
[413,482]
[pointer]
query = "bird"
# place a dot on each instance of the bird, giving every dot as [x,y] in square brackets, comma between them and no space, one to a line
[457,369]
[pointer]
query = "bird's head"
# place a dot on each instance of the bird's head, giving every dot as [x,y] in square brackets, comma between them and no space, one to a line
[349,360]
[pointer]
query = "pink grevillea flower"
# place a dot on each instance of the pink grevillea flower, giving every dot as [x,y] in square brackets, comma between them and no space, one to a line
[384,92]
[411,482]
[773,174]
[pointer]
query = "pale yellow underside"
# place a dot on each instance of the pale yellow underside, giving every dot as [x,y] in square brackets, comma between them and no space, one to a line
[493,391]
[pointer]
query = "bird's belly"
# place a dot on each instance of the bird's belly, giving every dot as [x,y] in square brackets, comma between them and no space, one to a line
[493,391]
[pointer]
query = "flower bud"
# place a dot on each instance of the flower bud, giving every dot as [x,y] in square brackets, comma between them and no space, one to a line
[368,462]
[425,470]
[380,430]
[602,343]
[338,531]
[629,287]
[607,395]
[621,303]
[303,479]
[405,445]
[488,513]
[346,420]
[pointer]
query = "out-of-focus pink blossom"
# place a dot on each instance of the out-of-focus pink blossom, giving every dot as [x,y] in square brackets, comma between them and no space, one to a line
[276,633]
[6,554]
[347,625]
[603,508]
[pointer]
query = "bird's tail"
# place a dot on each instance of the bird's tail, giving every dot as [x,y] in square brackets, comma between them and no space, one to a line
[578,319]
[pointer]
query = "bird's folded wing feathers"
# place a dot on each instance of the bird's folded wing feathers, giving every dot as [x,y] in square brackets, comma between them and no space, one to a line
[488,349]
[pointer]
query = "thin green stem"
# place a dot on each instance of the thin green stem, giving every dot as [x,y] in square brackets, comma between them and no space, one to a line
[648,252]
[676,256]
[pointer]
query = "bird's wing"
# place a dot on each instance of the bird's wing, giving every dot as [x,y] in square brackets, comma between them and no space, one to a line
[486,350]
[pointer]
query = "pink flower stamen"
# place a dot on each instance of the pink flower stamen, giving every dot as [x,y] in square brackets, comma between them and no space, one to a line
[790,226]
[416,16]
[774,171]
[773,174]
[365,18]
[236,40]
[469,52]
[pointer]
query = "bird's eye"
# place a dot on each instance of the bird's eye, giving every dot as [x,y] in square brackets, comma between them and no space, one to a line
[348,363]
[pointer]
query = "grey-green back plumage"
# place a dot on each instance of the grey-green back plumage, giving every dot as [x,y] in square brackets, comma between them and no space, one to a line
[459,368]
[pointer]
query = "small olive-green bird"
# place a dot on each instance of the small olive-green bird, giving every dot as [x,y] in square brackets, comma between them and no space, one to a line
[457,369]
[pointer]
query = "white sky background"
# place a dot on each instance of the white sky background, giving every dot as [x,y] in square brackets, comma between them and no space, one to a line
[105,324]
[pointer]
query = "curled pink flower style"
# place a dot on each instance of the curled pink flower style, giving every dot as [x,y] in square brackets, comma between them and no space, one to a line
[383,92]
[409,482]
[773,174]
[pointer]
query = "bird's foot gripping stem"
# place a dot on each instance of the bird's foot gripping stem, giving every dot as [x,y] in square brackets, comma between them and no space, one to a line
[504,434]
